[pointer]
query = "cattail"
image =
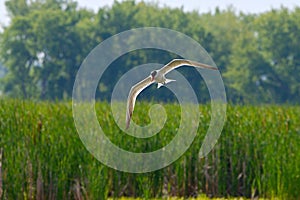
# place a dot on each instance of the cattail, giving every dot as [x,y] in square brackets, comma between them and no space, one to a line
[39,126]
[39,130]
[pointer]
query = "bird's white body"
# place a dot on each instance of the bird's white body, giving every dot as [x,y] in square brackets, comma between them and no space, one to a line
[160,79]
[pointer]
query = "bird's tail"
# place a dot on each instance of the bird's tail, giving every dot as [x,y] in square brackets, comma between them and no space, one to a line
[166,81]
[169,80]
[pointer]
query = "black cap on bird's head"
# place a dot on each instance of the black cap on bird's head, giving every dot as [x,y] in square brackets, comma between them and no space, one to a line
[153,74]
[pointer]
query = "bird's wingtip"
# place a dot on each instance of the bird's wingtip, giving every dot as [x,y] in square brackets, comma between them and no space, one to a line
[128,118]
[127,124]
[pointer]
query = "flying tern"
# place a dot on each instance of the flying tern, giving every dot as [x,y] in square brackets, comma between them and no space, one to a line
[158,76]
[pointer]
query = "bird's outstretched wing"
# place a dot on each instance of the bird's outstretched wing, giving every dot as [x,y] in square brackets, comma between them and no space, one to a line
[134,92]
[173,64]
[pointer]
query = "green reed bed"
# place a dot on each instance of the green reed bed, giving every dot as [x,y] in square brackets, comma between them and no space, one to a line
[257,154]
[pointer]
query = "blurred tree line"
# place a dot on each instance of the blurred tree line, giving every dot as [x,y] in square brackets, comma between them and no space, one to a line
[46,41]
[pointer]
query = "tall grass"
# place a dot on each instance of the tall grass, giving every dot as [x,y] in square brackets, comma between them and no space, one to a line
[43,157]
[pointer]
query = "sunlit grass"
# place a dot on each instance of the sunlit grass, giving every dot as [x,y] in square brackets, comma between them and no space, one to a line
[257,154]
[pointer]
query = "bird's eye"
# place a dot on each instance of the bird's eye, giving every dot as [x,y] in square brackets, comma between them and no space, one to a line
[153,73]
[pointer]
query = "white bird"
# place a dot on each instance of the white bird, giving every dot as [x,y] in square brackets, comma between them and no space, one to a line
[157,76]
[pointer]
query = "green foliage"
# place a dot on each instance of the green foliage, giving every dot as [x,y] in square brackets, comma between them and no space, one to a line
[42,49]
[256,155]
[264,65]
[47,40]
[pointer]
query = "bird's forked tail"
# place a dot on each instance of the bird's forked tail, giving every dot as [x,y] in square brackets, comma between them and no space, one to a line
[166,82]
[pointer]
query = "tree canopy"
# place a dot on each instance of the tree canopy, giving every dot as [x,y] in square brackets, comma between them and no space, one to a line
[47,40]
